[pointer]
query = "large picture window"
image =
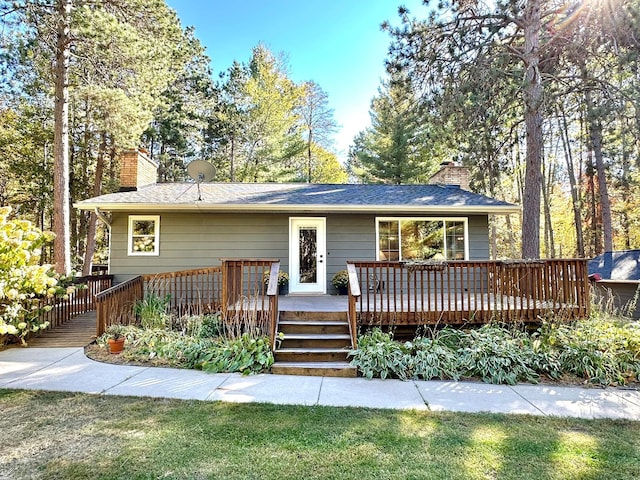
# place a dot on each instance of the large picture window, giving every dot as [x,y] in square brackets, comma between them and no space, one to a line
[421,239]
[144,235]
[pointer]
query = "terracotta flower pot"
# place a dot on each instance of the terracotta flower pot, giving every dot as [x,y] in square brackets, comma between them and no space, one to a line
[117,345]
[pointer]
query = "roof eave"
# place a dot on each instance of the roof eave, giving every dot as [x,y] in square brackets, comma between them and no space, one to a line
[266,207]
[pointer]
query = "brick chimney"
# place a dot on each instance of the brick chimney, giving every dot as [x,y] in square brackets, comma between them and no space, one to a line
[136,170]
[451,174]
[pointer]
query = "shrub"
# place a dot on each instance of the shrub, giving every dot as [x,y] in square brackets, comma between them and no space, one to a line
[245,355]
[378,355]
[340,279]
[152,310]
[283,278]
[433,358]
[246,320]
[210,326]
[24,282]
[203,326]
[497,355]
[601,352]
[173,348]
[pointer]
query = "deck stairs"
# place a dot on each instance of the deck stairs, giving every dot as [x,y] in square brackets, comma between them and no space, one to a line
[313,343]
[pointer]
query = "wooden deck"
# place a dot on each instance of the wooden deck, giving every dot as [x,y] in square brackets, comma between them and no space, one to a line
[79,331]
[380,292]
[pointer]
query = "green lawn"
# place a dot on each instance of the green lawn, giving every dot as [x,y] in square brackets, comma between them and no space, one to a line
[69,436]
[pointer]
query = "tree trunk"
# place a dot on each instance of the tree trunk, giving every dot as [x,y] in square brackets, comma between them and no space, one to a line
[595,138]
[625,187]
[575,195]
[533,92]
[97,190]
[61,200]
[547,190]
[594,127]
[593,207]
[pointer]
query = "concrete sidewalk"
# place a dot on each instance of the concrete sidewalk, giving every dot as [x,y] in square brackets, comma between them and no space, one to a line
[67,369]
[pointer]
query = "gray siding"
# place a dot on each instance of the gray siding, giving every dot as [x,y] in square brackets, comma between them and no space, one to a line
[349,237]
[478,237]
[195,240]
[192,240]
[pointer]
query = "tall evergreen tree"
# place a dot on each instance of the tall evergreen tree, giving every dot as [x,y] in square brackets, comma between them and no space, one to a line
[394,149]
[112,60]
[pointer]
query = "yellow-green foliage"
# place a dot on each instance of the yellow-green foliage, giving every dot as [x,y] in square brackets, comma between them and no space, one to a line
[23,281]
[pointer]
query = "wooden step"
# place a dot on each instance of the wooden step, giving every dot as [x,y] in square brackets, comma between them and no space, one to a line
[312,316]
[315,369]
[320,327]
[313,355]
[313,343]
[315,340]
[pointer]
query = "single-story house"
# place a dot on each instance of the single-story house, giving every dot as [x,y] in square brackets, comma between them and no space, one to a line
[616,277]
[312,228]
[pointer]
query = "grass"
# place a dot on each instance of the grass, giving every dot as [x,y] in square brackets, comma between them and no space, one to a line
[75,436]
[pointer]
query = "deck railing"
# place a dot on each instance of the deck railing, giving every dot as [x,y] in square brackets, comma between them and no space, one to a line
[115,305]
[354,296]
[251,286]
[79,301]
[187,292]
[235,285]
[457,292]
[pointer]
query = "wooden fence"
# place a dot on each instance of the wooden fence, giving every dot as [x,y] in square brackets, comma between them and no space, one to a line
[457,292]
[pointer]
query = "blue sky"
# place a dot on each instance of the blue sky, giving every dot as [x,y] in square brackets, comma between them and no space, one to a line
[336,43]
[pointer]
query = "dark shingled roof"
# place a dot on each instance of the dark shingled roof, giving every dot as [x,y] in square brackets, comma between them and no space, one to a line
[620,265]
[297,196]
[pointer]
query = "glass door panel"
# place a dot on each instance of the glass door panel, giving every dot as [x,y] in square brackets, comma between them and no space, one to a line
[308,255]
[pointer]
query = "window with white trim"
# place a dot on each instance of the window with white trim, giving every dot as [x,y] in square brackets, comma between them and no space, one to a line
[401,239]
[144,234]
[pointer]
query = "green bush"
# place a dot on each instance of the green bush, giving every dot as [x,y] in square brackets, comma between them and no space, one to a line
[152,311]
[210,325]
[603,353]
[378,355]
[24,279]
[497,355]
[340,279]
[245,355]
[433,358]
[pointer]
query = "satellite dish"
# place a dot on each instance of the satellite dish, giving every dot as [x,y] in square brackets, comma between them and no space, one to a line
[201,171]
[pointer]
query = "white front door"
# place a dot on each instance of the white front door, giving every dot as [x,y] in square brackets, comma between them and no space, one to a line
[307,255]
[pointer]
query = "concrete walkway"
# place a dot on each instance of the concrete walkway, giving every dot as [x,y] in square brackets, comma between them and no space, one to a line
[67,369]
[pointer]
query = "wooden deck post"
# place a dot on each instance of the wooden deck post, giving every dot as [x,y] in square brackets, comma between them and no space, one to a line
[354,295]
